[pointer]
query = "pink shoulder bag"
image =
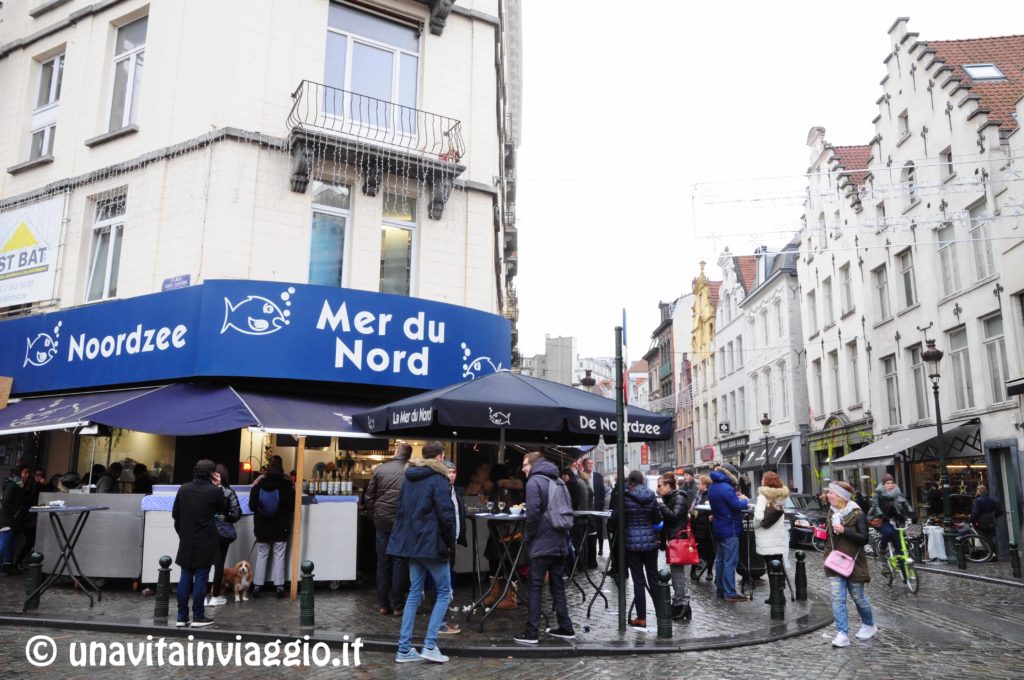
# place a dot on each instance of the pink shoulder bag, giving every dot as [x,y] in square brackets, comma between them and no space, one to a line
[840,562]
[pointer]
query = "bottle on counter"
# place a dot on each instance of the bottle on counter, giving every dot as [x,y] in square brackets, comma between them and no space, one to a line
[334,486]
[346,485]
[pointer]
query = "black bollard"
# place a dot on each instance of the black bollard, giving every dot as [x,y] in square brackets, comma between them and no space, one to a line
[961,557]
[163,588]
[801,575]
[306,595]
[777,587]
[35,577]
[663,603]
[1015,560]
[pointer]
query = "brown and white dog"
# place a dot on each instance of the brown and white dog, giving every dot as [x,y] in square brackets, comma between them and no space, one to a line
[237,579]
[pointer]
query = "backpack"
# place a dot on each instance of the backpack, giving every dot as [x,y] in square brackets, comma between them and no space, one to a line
[269,502]
[558,505]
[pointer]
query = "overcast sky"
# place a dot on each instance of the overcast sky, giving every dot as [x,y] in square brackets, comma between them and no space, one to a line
[628,107]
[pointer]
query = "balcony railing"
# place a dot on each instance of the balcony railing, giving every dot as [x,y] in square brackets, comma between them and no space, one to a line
[363,119]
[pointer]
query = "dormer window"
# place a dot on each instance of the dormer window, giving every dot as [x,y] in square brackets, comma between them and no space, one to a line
[904,124]
[983,72]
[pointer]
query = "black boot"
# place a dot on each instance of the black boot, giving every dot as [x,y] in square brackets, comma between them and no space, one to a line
[677,611]
[687,613]
[255,592]
[279,591]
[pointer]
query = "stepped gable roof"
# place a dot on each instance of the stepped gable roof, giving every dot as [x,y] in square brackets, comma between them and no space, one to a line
[854,159]
[1006,52]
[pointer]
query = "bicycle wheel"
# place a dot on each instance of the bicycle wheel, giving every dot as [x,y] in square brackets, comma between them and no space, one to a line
[818,544]
[910,578]
[977,549]
[876,548]
[887,571]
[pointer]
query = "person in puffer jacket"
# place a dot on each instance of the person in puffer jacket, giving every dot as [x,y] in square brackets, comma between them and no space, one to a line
[727,506]
[772,542]
[642,541]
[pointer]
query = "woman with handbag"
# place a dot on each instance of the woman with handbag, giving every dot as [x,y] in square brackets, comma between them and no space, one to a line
[676,515]
[226,535]
[770,535]
[846,564]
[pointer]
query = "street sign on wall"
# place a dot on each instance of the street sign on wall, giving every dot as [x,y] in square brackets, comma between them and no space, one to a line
[255,329]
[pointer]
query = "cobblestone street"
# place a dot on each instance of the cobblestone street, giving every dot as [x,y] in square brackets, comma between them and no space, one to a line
[953,623]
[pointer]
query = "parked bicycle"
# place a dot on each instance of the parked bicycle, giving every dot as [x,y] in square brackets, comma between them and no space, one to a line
[977,548]
[902,562]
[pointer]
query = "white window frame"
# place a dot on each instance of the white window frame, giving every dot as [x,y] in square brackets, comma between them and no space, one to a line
[881,277]
[948,261]
[830,312]
[947,162]
[769,393]
[892,389]
[115,227]
[764,328]
[837,384]
[812,312]
[903,124]
[346,215]
[846,282]
[919,370]
[984,265]
[128,113]
[779,319]
[852,361]
[909,177]
[960,362]
[387,222]
[755,383]
[819,388]
[739,352]
[998,363]
[44,116]
[741,407]
[907,275]
[784,389]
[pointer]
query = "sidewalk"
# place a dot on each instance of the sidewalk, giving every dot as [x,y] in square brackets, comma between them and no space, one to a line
[992,572]
[352,611]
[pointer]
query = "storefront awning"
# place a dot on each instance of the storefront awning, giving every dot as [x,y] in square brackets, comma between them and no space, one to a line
[299,415]
[757,458]
[62,412]
[885,451]
[181,410]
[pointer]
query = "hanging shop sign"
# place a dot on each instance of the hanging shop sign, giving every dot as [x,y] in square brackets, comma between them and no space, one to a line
[255,329]
[29,240]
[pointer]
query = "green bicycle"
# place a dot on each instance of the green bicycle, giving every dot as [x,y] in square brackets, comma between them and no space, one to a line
[902,563]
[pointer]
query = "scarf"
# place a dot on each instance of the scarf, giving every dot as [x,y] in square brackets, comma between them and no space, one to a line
[839,515]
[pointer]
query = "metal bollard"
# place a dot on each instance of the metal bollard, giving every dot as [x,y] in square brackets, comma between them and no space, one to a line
[163,588]
[306,595]
[35,577]
[777,590]
[1015,560]
[961,558]
[801,575]
[663,603]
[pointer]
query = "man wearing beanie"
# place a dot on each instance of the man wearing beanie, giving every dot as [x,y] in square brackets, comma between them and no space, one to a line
[727,507]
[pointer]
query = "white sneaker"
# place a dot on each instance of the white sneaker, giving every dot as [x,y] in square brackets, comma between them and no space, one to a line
[841,640]
[866,632]
[216,601]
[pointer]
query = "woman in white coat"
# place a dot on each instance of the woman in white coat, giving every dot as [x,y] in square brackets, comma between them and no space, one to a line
[772,541]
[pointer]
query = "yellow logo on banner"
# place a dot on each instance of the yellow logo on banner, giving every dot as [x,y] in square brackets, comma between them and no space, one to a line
[21,238]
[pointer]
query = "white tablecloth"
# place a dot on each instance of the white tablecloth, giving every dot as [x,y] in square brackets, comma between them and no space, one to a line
[935,544]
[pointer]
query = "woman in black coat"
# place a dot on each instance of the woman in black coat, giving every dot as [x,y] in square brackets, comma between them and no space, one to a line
[676,515]
[195,506]
[642,541]
[702,531]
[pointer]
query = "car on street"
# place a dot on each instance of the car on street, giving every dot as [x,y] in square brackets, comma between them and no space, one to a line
[804,511]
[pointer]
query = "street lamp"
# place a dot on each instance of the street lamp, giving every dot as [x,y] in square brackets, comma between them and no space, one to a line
[932,356]
[766,423]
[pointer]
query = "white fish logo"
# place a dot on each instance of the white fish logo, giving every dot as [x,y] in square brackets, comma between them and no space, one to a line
[42,348]
[499,418]
[256,315]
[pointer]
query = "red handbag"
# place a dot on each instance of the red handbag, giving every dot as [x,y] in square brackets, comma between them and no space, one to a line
[682,551]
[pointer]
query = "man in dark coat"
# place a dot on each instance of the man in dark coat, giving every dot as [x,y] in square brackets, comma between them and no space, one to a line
[596,483]
[380,502]
[579,494]
[727,506]
[984,513]
[546,548]
[688,487]
[194,508]
[424,534]
[271,525]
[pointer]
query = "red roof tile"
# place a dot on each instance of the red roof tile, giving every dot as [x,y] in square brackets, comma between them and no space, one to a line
[713,287]
[639,366]
[854,158]
[746,269]
[1006,52]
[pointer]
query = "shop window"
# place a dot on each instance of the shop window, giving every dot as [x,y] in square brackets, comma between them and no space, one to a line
[105,251]
[329,233]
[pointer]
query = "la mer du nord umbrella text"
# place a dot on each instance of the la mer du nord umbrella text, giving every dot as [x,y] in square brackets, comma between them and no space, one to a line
[609,425]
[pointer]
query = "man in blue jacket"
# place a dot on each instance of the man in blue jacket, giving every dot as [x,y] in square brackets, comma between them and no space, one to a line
[727,506]
[424,535]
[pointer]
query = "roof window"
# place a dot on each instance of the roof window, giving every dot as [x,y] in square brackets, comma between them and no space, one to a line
[984,72]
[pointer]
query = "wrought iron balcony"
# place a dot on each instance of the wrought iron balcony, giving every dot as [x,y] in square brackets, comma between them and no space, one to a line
[379,135]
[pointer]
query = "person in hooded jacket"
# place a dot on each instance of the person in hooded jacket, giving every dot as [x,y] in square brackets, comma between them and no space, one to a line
[892,507]
[772,542]
[676,514]
[424,535]
[727,506]
[546,547]
[642,540]
[271,528]
[380,502]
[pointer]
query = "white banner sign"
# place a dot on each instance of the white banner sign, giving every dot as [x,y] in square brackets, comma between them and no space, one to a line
[29,240]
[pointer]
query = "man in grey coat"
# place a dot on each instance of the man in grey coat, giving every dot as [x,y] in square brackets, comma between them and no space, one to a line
[381,503]
[546,547]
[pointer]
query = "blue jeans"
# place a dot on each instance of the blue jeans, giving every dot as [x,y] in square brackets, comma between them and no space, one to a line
[192,582]
[418,570]
[727,556]
[392,575]
[890,536]
[6,543]
[840,586]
